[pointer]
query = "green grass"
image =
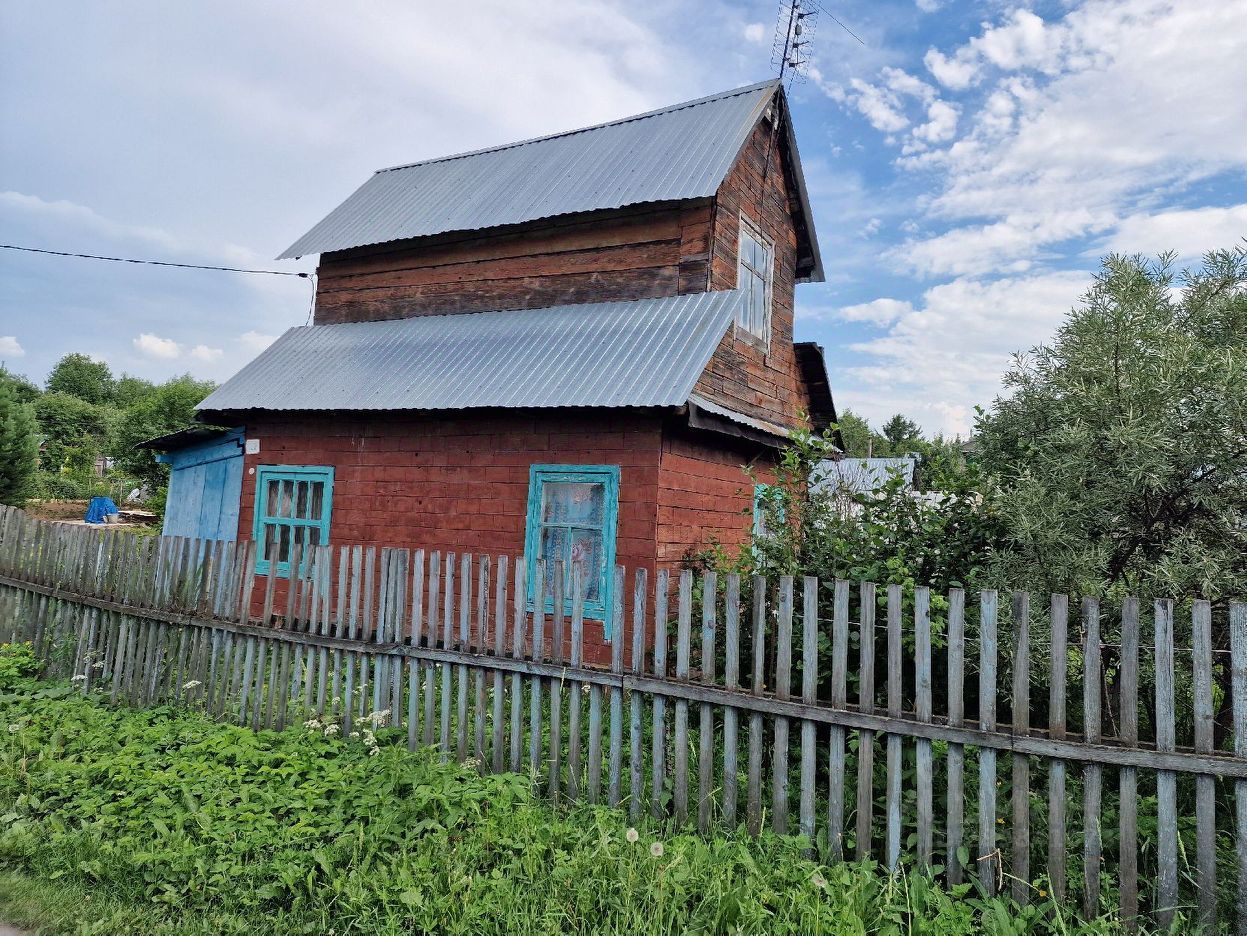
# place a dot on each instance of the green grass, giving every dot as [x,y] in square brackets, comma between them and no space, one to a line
[163,821]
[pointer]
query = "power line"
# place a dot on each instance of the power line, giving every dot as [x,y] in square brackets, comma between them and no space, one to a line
[164,263]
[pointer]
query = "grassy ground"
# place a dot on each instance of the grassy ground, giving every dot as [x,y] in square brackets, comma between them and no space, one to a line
[163,822]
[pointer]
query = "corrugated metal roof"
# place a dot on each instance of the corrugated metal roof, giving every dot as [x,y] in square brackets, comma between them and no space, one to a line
[646,352]
[861,475]
[680,152]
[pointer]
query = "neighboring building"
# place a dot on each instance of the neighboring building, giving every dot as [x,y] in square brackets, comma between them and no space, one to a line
[863,475]
[205,481]
[567,348]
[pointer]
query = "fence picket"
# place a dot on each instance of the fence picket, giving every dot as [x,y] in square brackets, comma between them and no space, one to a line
[613,794]
[866,706]
[683,639]
[757,685]
[1166,780]
[925,818]
[989,856]
[1091,772]
[574,765]
[1205,790]
[1128,731]
[731,680]
[658,747]
[894,740]
[705,733]
[1238,695]
[1020,794]
[1059,617]
[839,700]
[783,691]
[636,763]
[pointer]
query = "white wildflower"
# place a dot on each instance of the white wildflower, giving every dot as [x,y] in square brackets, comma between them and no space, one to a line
[81,677]
[192,684]
[656,849]
[818,880]
[312,724]
[14,729]
[331,730]
[378,718]
[354,734]
[632,836]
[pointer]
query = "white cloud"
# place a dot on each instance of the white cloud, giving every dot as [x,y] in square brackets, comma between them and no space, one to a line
[941,123]
[10,347]
[944,354]
[156,347]
[253,342]
[1191,233]
[756,32]
[953,73]
[204,353]
[928,6]
[878,105]
[877,312]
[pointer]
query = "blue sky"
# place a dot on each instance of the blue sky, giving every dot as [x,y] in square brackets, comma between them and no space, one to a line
[968,164]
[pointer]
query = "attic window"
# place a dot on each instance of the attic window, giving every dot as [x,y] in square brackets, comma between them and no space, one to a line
[753,278]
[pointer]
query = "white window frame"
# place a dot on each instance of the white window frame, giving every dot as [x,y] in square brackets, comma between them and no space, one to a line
[754,230]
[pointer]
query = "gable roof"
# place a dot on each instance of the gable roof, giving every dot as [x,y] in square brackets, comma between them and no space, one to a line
[646,352]
[673,154]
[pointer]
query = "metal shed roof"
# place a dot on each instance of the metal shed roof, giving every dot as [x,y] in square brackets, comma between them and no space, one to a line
[680,152]
[646,352]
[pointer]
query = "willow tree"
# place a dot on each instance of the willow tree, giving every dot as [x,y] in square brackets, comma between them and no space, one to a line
[1120,449]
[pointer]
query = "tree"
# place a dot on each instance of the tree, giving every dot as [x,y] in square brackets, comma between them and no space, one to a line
[19,447]
[131,390]
[860,441]
[169,407]
[83,377]
[1121,450]
[901,432]
[68,422]
[23,387]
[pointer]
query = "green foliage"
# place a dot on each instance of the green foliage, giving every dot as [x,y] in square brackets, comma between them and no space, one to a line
[860,441]
[81,376]
[69,422]
[167,408]
[900,431]
[1120,449]
[19,447]
[17,663]
[25,388]
[132,390]
[181,825]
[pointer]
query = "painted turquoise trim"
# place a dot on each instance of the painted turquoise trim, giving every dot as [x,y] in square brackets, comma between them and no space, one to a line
[266,473]
[608,475]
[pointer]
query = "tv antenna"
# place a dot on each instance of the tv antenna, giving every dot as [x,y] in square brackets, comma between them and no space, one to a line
[795,26]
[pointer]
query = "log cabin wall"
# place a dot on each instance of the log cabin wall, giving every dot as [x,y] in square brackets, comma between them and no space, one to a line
[639,253]
[761,382]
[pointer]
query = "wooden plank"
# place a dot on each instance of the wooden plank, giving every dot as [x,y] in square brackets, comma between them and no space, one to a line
[895,710]
[574,764]
[783,691]
[925,813]
[636,761]
[731,680]
[866,704]
[1128,731]
[613,794]
[809,695]
[989,856]
[448,641]
[519,606]
[1238,698]
[683,641]
[500,634]
[1205,786]
[1020,794]
[956,803]
[757,686]
[414,637]
[538,653]
[839,699]
[556,686]
[430,641]
[482,641]
[402,563]
[465,628]
[1166,780]
[1091,773]
[356,596]
[705,731]
[658,749]
[1058,673]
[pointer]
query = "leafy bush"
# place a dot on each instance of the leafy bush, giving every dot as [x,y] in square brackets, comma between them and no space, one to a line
[17,663]
[211,828]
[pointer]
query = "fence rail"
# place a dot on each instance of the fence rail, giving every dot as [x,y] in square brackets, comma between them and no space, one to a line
[773,717]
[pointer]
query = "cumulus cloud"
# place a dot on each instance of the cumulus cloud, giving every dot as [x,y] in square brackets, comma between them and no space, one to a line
[1191,233]
[154,346]
[756,32]
[204,353]
[253,342]
[881,311]
[10,347]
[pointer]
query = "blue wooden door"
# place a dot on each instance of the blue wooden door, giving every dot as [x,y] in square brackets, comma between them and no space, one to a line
[205,488]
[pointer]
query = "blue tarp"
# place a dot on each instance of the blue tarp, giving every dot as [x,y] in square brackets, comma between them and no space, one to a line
[99,508]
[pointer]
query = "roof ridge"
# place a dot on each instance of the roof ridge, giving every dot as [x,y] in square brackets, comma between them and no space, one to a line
[671,108]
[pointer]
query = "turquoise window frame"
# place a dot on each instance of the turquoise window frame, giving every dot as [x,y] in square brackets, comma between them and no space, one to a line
[606,475]
[264,474]
[759,491]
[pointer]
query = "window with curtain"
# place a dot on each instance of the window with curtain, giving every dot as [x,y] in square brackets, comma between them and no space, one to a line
[292,506]
[754,270]
[572,517]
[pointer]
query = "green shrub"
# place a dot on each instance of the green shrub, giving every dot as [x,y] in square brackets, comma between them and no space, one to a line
[202,827]
[17,662]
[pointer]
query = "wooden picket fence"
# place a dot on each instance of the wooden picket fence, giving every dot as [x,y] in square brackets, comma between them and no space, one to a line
[682,728]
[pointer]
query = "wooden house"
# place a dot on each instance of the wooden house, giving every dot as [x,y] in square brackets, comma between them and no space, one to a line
[568,347]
